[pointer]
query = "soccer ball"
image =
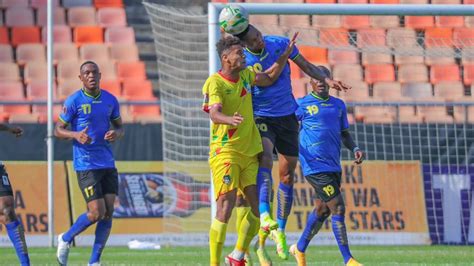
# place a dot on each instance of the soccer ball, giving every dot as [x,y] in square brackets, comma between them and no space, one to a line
[233,19]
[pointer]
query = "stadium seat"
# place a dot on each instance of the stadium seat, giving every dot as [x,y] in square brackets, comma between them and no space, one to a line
[419,22]
[11,89]
[314,54]
[469,21]
[15,109]
[138,89]
[112,86]
[446,2]
[459,113]
[68,70]
[146,113]
[61,34]
[300,87]
[65,52]
[387,91]
[120,35]
[19,17]
[108,3]
[6,53]
[67,87]
[329,21]
[355,22]
[449,21]
[88,34]
[16,118]
[342,57]
[74,3]
[401,38]
[38,4]
[449,90]
[94,52]
[358,93]
[36,71]
[406,56]
[81,16]
[13,3]
[383,1]
[25,35]
[30,52]
[321,1]
[9,72]
[347,73]
[440,55]
[352,1]
[295,71]
[4,39]
[264,19]
[371,38]
[407,115]
[370,58]
[414,2]
[38,90]
[131,70]
[379,73]
[419,90]
[468,74]
[334,37]
[447,72]
[467,55]
[385,22]
[128,52]
[411,73]
[41,110]
[462,37]
[1,18]
[435,114]
[294,20]
[111,17]
[107,69]
[375,114]
[439,37]
[59,16]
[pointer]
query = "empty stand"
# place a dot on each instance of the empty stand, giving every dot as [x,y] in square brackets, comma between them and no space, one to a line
[342,57]
[82,16]
[38,90]
[120,35]
[468,74]
[25,35]
[334,37]
[419,22]
[59,16]
[107,69]
[406,56]
[313,54]
[449,21]
[88,34]
[67,87]
[4,35]
[294,20]
[435,114]
[355,22]
[379,73]
[299,87]
[407,115]
[371,38]
[14,3]
[9,72]
[447,72]
[30,52]
[11,90]
[17,118]
[440,55]
[438,37]
[467,55]
[65,52]
[131,70]
[113,86]
[108,3]
[358,93]
[38,4]
[6,53]
[449,90]
[417,90]
[61,34]
[375,114]
[138,89]
[411,73]
[347,73]
[462,37]
[35,71]
[330,21]
[111,17]
[68,70]
[19,16]
[75,3]
[401,38]
[385,22]
[94,52]
[264,19]
[370,58]
[387,91]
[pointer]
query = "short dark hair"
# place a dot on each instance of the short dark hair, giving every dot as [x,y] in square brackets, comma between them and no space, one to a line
[87,63]
[225,44]
[241,35]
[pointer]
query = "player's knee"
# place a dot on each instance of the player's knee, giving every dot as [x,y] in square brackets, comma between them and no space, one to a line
[266,160]
[340,209]
[323,211]
[287,179]
[95,215]
[8,214]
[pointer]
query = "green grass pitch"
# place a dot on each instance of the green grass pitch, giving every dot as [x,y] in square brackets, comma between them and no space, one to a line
[316,255]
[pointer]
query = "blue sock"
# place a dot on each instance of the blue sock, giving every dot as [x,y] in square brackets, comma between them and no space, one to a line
[264,188]
[17,236]
[285,200]
[80,225]
[339,230]
[102,232]
[312,227]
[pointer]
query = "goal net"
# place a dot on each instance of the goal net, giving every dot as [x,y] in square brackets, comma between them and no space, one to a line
[410,109]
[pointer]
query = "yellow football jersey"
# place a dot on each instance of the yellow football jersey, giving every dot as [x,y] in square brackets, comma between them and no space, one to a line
[233,96]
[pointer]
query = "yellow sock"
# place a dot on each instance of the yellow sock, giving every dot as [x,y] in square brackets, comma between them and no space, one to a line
[247,231]
[241,212]
[216,240]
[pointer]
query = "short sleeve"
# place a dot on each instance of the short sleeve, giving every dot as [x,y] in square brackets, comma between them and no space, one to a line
[344,121]
[115,109]
[69,111]
[299,111]
[215,95]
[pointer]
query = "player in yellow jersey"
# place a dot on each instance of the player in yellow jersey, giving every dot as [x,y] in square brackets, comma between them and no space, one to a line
[235,143]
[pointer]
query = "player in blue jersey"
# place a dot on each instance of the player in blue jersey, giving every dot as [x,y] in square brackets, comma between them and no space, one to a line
[8,217]
[89,113]
[324,126]
[274,108]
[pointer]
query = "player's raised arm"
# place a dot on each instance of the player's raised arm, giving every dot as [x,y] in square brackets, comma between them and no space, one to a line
[270,75]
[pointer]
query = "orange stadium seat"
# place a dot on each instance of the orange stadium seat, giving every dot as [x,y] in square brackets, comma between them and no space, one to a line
[131,70]
[406,56]
[401,38]
[299,87]
[347,72]
[65,52]
[88,34]
[67,70]
[138,89]
[463,37]
[342,57]
[417,90]
[19,16]
[23,118]
[411,73]
[4,35]
[13,3]
[370,58]
[358,93]
[314,54]
[435,114]
[9,72]
[61,34]
[355,22]
[383,1]
[387,90]
[67,87]
[126,52]
[439,37]
[334,37]
[264,19]
[352,1]
[107,69]
[468,74]
[414,1]
[385,22]
[467,55]
[25,35]
[406,114]
[371,38]
[81,16]
[375,114]
[74,3]
[15,109]
[38,90]
[94,51]
[419,22]
[11,89]
[108,3]
[6,53]
[146,113]
[36,71]
[111,17]
[59,16]
[321,1]
[120,35]
[38,4]
[30,52]
[446,2]
[449,21]
[294,20]
[440,55]
[112,86]
[449,90]
[330,21]
[447,72]
[379,73]
[295,71]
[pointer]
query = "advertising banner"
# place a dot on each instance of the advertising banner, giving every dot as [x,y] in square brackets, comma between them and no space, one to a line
[30,190]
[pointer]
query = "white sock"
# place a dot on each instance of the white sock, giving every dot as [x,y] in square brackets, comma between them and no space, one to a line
[237,254]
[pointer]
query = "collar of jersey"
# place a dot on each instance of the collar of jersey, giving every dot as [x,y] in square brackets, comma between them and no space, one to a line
[227,78]
[261,52]
[88,95]
[318,97]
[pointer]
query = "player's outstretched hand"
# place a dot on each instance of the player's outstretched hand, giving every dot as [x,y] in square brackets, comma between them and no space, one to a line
[17,131]
[359,156]
[236,119]
[338,85]
[111,135]
[291,45]
[82,137]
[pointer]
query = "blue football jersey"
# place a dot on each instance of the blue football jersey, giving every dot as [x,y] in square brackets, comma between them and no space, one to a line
[322,121]
[82,110]
[277,99]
